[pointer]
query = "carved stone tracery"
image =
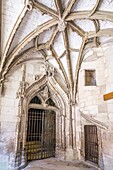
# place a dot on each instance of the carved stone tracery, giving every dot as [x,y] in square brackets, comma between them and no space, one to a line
[62,20]
[45,93]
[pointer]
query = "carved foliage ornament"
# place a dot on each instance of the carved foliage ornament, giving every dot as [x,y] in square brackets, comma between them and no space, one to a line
[21,90]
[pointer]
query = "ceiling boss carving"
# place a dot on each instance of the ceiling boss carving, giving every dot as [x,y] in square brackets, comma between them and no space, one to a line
[63,23]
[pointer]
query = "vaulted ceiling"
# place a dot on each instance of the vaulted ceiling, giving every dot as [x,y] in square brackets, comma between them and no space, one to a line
[59,30]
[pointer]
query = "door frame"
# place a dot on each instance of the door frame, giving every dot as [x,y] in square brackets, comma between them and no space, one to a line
[43,107]
[100,145]
[59,98]
[87,139]
[43,150]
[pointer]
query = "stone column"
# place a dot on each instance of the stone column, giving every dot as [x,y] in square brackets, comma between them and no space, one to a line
[69,149]
[20,158]
[76,132]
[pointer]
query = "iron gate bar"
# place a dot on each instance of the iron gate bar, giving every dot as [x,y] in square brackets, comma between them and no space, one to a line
[91,143]
[40,142]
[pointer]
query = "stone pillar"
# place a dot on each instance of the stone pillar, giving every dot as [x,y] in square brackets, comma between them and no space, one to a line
[77,132]
[20,155]
[69,149]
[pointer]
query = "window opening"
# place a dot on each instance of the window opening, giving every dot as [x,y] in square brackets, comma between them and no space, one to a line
[90,78]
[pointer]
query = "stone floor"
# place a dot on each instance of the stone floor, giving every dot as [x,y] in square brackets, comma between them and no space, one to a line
[55,164]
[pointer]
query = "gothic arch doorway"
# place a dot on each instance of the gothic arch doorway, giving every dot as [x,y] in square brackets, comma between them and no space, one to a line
[41,130]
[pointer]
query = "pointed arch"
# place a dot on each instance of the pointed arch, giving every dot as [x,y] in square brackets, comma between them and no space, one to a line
[34,91]
[36,100]
[55,93]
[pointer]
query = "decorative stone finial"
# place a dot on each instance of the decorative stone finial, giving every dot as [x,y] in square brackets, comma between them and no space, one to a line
[48,70]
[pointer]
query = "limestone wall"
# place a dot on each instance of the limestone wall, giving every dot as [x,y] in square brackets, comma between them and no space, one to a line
[91,100]
[8,117]
[9,109]
[10,114]
[108,135]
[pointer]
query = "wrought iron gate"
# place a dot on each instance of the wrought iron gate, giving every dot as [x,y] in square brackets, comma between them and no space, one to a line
[91,143]
[40,134]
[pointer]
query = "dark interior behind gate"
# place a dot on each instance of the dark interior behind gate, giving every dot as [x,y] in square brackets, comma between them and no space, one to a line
[40,141]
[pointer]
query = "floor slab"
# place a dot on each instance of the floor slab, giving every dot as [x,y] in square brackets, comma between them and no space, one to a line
[55,164]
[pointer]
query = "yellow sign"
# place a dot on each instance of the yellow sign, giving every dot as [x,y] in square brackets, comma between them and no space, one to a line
[108,96]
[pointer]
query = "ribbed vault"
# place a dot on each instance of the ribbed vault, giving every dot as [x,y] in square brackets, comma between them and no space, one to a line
[64,29]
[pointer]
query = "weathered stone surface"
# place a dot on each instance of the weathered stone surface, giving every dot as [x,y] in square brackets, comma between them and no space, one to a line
[102,108]
[66,44]
[55,164]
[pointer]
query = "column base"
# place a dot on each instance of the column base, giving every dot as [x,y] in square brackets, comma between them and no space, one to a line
[71,154]
[60,154]
[18,160]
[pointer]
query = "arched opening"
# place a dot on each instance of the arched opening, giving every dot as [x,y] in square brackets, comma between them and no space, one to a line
[41,132]
[36,100]
[50,102]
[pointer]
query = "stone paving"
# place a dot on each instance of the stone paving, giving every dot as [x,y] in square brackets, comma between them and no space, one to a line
[55,164]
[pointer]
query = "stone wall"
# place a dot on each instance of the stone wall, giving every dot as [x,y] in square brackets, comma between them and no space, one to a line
[91,100]
[108,135]
[8,118]
[10,112]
